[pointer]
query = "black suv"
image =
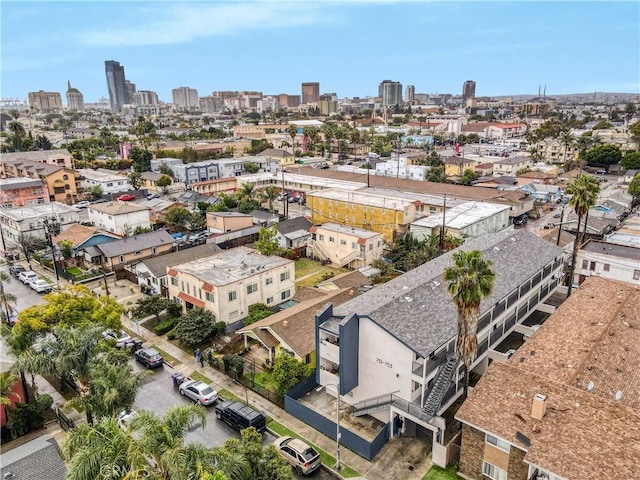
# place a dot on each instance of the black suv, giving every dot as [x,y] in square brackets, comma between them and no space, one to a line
[149,357]
[240,416]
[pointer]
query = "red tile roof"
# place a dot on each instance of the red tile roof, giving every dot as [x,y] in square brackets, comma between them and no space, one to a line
[190,299]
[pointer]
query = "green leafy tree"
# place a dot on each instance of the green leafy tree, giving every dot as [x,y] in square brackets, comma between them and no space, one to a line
[6,298]
[164,181]
[292,131]
[42,142]
[177,217]
[139,230]
[141,159]
[634,130]
[66,248]
[96,192]
[257,311]
[251,167]
[155,305]
[29,244]
[135,180]
[270,194]
[287,372]
[265,463]
[634,189]
[469,280]
[267,243]
[165,170]
[602,125]
[468,177]
[436,174]
[7,382]
[603,156]
[631,160]
[584,195]
[196,326]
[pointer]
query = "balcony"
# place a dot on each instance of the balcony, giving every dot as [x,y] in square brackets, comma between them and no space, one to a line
[329,351]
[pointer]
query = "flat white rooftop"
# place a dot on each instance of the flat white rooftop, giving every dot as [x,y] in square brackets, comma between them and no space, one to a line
[99,176]
[231,266]
[17,181]
[356,232]
[461,216]
[53,209]
[436,200]
[304,181]
[370,199]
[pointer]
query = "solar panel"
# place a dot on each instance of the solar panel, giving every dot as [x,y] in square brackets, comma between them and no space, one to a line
[522,438]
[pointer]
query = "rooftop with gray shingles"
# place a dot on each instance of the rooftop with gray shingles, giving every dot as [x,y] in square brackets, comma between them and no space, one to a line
[135,243]
[416,307]
[35,460]
[158,265]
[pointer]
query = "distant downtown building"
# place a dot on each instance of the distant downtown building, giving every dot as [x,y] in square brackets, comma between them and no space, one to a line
[116,84]
[310,92]
[75,100]
[410,94]
[390,92]
[185,98]
[468,90]
[145,97]
[45,101]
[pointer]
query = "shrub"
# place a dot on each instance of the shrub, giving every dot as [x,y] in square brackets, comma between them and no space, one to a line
[165,326]
[196,326]
[233,363]
[171,335]
[219,328]
[27,417]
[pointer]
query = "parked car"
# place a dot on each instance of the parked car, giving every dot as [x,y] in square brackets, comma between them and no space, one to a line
[125,417]
[81,205]
[11,256]
[151,196]
[126,197]
[149,357]
[240,416]
[121,337]
[16,270]
[557,215]
[27,276]
[40,285]
[303,458]
[548,226]
[199,392]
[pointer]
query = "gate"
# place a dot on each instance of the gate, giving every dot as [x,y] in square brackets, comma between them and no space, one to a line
[65,422]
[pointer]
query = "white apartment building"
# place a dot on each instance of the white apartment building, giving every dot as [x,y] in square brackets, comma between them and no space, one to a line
[345,246]
[106,180]
[29,221]
[511,166]
[227,283]
[121,218]
[608,260]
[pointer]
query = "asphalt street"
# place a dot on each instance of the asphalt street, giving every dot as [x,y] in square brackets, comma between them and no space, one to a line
[24,294]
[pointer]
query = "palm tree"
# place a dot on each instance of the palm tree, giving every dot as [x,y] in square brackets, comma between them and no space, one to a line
[270,194]
[567,139]
[292,131]
[6,298]
[470,279]
[584,195]
[246,193]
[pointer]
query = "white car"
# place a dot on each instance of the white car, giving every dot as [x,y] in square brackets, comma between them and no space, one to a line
[27,277]
[81,205]
[121,337]
[125,417]
[199,392]
[40,285]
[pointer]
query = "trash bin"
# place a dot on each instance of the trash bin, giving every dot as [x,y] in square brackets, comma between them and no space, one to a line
[177,378]
[135,345]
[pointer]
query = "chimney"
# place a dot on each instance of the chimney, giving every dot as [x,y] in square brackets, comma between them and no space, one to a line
[539,406]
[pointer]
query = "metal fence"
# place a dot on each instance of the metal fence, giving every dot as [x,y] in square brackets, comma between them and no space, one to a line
[65,422]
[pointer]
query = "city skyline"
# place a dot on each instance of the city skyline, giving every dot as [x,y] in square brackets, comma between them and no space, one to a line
[507,48]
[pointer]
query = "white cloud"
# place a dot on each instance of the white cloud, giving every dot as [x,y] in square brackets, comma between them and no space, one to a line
[181,23]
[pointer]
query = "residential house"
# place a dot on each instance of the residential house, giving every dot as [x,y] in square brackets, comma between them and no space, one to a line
[455,166]
[82,237]
[570,176]
[566,405]
[216,186]
[264,218]
[22,192]
[537,177]
[608,260]
[152,272]
[511,166]
[519,202]
[565,241]
[599,223]
[345,246]
[131,250]
[294,233]
[150,183]
[283,157]
[58,157]
[236,238]
[63,184]
[628,233]
[29,221]
[38,457]
[543,193]
[484,169]
[391,351]
[109,182]
[221,222]
[630,175]
[188,173]
[502,131]
[468,220]
[121,218]
[227,283]
[500,183]
[292,330]
[157,207]
[156,163]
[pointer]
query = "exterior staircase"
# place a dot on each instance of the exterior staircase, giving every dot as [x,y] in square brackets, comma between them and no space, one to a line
[372,405]
[433,401]
[318,251]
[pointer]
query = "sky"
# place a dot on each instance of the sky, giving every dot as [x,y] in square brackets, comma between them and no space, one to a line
[508,48]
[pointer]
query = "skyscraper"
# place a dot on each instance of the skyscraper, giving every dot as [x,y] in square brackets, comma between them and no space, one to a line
[185,98]
[390,92]
[115,84]
[45,101]
[410,94]
[130,91]
[310,92]
[75,100]
[468,90]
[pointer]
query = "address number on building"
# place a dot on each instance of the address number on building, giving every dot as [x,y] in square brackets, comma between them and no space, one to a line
[384,362]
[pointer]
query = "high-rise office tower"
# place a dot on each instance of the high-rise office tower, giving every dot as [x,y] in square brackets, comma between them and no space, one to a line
[310,92]
[390,92]
[185,98]
[130,91]
[145,97]
[410,94]
[75,100]
[45,101]
[468,90]
[115,84]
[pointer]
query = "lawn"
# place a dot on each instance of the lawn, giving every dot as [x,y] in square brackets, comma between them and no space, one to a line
[321,275]
[264,380]
[305,266]
[200,377]
[437,473]
[75,271]
[326,458]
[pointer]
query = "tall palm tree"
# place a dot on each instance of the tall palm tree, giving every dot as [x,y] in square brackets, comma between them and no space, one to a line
[469,280]
[292,131]
[567,139]
[584,195]
[6,298]
[270,194]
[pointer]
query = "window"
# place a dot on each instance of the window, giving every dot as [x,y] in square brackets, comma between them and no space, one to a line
[493,472]
[592,267]
[284,276]
[252,288]
[209,296]
[606,267]
[343,242]
[182,286]
[121,258]
[496,442]
[269,281]
[370,246]
[174,282]
[286,294]
[331,239]
[232,296]
[636,274]
[383,211]
[269,300]
[321,237]
[354,245]
[153,250]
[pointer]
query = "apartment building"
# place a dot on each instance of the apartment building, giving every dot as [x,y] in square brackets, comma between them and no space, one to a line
[391,351]
[58,158]
[108,181]
[62,183]
[511,166]
[22,192]
[29,220]
[227,283]
[566,405]
[121,218]
[387,215]
[467,220]
[345,246]
[131,250]
[44,102]
[213,187]
[221,222]
[553,150]
[608,260]
[455,166]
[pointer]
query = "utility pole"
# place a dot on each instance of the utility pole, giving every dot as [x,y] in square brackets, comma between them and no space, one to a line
[442,228]
[560,225]
[51,229]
